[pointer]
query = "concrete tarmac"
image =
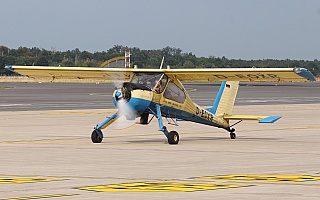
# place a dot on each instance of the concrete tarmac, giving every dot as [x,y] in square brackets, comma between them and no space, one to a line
[55,96]
[49,154]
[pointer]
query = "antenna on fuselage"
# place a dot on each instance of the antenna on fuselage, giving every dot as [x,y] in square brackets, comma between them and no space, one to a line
[162,62]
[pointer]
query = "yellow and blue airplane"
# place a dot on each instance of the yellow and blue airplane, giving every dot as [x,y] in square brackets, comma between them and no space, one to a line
[160,93]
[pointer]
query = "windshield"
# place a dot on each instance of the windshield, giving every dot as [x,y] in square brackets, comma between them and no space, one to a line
[147,79]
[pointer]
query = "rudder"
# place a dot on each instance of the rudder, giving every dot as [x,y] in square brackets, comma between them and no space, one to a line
[225,99]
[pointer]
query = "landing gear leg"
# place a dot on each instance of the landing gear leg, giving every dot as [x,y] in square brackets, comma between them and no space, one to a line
[96,135]
[172,136]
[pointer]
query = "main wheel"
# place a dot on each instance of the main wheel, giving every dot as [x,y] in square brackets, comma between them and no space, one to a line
[95,138]
[233,135]
[173,137]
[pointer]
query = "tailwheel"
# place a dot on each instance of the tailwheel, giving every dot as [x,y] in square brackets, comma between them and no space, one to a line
[233,135]
[173,137]
[95,138]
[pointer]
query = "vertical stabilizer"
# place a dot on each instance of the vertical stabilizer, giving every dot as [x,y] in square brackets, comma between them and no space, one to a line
[225,99]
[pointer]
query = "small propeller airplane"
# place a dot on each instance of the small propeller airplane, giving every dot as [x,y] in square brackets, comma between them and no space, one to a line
[159,92]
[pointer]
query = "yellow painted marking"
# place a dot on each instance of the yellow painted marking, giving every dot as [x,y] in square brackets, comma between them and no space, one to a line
[75,112]
[27,180]
[98,94]
[41,196]
[43,141]
[161,187]
[287,128]
[264,178]
[202,183]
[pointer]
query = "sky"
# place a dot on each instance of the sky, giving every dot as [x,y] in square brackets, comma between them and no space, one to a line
[236,29]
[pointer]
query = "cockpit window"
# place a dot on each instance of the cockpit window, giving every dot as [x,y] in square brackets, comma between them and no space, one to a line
[147,79]
[161,84]
[173,92]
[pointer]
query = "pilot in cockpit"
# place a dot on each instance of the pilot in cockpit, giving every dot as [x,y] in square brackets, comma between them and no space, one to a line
[158,86]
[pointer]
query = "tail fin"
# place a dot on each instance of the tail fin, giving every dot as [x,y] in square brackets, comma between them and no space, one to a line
[225,99]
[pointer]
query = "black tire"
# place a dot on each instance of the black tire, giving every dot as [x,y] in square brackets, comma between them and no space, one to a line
[95,138]
[173,137]
[233,135]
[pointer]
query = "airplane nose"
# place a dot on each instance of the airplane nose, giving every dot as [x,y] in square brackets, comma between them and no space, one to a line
[137,98]
[118,95]
[123,93]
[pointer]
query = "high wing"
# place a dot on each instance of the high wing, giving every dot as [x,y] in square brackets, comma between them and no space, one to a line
[184,75]
[242,74]
[90,73]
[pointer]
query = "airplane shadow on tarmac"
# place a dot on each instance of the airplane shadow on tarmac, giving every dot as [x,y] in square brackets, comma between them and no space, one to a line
[197,139]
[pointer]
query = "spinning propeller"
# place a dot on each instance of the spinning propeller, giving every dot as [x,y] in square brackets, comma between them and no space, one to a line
[126,115]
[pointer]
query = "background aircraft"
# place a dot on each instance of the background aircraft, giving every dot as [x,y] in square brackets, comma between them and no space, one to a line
[149,93]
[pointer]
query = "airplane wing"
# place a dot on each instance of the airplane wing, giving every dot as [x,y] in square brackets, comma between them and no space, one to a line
[89,73]
[242,74]
[184,75]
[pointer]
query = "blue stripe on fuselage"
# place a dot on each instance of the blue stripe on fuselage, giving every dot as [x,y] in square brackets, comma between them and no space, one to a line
[170,112]
[140,105]
[137,104]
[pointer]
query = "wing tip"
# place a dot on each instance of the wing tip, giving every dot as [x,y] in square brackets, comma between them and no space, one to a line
[9,67]
[270,119]
[305,73]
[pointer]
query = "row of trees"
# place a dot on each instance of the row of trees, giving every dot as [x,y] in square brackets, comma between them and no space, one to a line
[174,57]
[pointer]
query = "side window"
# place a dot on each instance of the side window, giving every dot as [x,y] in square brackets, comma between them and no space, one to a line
[173,92]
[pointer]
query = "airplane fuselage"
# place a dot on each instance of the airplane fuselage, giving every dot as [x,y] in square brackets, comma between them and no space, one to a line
[175,107]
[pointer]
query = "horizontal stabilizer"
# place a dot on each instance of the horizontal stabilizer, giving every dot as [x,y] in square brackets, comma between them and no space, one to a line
[261,119]
[270,119]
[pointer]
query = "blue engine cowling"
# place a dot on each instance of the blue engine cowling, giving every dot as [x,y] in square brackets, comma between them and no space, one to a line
[137,96]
